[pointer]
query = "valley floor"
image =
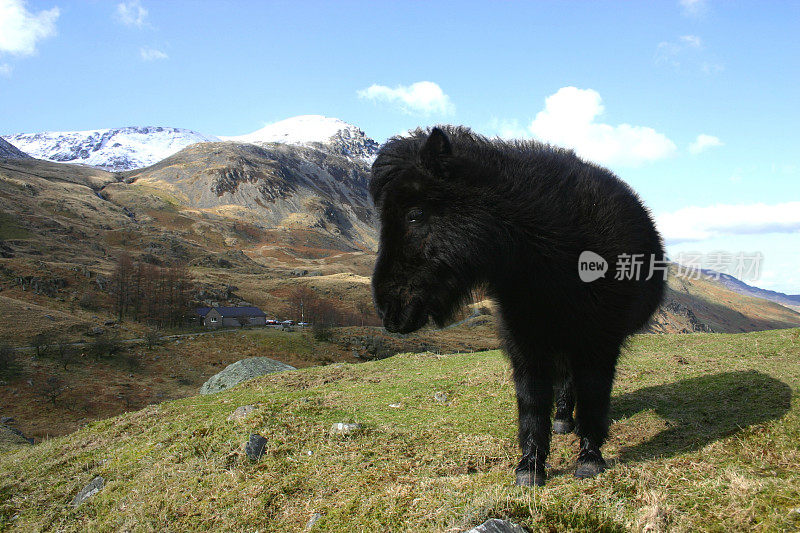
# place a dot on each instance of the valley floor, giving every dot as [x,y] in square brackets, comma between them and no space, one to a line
[704,438]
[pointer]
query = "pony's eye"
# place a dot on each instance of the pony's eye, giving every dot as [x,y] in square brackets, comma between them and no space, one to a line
[415,215]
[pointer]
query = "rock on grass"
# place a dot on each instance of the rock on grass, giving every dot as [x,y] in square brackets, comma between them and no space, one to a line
[343,428]
[242,412]
[242,370]
[88,491]
[254,448]
[495,525]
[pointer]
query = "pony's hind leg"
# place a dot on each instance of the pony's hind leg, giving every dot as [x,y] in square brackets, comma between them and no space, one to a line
[593,376]
[565,405]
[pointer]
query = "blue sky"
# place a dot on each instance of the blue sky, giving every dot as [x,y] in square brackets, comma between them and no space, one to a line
[693,102]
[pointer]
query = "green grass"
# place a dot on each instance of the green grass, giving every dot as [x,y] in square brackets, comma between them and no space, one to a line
[706,436]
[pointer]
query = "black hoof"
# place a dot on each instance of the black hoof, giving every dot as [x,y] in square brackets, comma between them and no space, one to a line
[562,427]
[591,468]
[529,479]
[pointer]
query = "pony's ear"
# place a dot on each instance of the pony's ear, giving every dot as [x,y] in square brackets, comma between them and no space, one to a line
[435,150]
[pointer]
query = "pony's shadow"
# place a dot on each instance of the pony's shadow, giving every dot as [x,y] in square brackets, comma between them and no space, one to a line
[702,410]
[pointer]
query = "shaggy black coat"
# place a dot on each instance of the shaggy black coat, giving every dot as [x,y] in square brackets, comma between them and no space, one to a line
[458,210]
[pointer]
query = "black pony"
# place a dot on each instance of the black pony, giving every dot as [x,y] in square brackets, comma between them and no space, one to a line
[565,248]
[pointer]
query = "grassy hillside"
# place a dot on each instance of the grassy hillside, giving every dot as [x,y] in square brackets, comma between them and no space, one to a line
[705,437]
[138,375]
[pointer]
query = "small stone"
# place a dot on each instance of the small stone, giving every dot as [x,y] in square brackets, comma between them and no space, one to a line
[242,412]
[254,448]
[343,428]
[396,405]
[88,491]
[313,520]
[495,525]
[440,397]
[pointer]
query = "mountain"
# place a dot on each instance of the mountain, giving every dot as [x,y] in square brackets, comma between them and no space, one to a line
[114,149]
[737,285]
[138,147]
[271,185]
[317,131]
[9,151]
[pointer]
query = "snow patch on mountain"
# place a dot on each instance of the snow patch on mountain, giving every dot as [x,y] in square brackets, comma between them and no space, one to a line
[112,149]
[309,130]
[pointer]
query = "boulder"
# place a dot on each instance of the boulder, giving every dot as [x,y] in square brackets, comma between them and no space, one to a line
[240,371]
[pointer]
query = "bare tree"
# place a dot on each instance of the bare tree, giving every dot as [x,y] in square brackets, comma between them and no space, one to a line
[65,353]
[51,388]
[41,343]
[152,338]
[364,310]
[302,301]
[147,293]
[105,345]
[121,283]
[8,363]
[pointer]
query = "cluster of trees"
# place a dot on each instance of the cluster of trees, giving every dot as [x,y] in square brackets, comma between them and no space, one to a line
[148,293]
[66,353]
[306,305]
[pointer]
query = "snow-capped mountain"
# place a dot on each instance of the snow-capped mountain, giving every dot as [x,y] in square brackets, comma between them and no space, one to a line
[137,147]
[310,130]
[114,149]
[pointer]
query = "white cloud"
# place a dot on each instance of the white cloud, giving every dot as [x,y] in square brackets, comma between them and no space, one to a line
[704,142]
[674,52]
[569,120]
[700,223]
[5,69]
[132,14]
[151,54]
[424,97]
[693,8]
[21,30]
[687,52]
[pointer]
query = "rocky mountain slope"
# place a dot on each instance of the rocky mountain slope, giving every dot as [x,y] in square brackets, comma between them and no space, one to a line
[111,149]
[272,186]
[9,151]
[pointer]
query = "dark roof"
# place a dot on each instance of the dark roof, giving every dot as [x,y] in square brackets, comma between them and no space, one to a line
[202,311]
[233,311]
